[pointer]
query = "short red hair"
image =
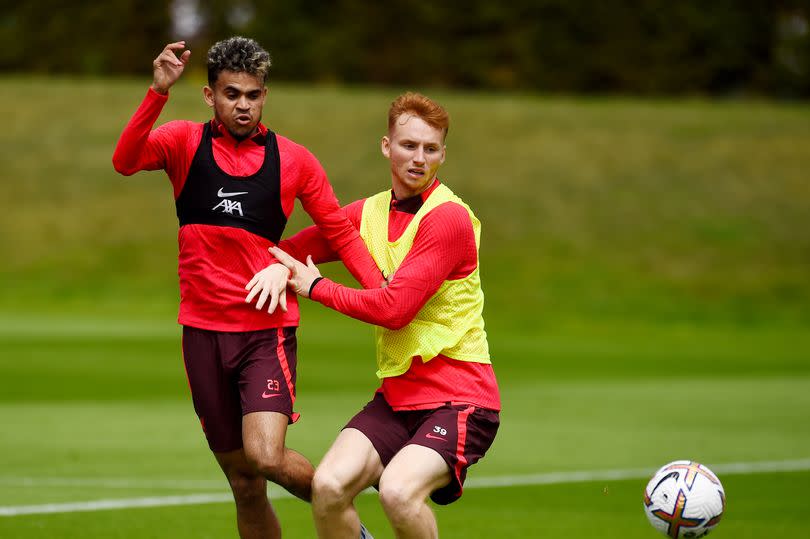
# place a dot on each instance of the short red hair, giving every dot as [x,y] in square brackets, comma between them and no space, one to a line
[422,107]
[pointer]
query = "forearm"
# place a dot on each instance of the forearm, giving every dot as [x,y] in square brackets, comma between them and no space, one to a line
[132,153]
[392,307]
[309,242]
[346,242]
[444,248]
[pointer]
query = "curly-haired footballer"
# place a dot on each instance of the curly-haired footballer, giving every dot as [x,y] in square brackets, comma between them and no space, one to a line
[234,183]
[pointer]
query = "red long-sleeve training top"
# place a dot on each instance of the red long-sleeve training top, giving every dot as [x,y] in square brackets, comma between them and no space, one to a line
[216,262]
[443,249]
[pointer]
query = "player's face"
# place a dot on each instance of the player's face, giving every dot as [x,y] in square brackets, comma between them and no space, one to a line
[415,150]
[237,99]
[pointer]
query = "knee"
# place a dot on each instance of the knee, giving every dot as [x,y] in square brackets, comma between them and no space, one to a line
[266,463]
[248,489]
[328,492]
[399,502]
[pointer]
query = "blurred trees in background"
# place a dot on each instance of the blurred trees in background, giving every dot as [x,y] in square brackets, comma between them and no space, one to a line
[52,36]
[585,46]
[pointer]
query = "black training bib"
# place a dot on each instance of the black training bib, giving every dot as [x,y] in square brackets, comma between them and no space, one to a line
[212,197]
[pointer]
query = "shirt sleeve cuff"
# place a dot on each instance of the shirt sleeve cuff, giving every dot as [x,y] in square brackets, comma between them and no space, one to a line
[313,285]
[155,95]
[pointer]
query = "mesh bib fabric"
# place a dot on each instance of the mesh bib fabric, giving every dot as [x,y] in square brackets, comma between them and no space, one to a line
[451,322]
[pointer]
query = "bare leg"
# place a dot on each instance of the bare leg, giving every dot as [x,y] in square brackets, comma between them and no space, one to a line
[255,517]
[350,465]
[263,435]
[405,484]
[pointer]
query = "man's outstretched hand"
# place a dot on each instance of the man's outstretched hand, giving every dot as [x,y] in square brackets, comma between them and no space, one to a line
[301,276]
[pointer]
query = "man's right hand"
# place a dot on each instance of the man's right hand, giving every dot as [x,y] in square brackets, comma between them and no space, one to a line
[168,67]
[301,275]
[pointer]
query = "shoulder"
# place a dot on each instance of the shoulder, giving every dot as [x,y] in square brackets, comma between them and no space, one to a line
[450,211]
[184,124]
[178,137]
[354,210]
[357,205]
[296,155]
[449,220]
[291,147]
[179,128]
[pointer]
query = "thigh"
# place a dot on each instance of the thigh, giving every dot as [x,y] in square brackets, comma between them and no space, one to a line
[385,429]
[352,462]
[263,435]
[267,364]
[416,471]
[215,396]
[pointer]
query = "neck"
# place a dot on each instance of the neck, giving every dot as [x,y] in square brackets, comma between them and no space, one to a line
[240,138]
[402,195]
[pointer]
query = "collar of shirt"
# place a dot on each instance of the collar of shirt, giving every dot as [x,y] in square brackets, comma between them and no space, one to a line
[412,204]
[219,130]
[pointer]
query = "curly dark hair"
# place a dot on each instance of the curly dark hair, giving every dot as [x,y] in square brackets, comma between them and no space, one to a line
[239,54]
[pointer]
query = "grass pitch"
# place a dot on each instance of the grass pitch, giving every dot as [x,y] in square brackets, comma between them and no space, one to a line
[119,425]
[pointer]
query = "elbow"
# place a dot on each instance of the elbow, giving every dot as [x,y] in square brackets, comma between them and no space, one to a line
[396,322]
[396,311]
[121,166]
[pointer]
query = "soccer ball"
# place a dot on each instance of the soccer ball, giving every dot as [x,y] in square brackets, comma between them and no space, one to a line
[684,499]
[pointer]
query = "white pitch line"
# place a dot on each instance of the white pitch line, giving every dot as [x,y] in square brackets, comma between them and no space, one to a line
[115,483]
[126,503]
[734,468]
[554,478]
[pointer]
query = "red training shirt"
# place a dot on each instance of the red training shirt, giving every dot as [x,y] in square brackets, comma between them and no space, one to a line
[216,262]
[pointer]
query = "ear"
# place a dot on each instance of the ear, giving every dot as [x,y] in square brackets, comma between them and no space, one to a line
[208,95]
[385,146]
[444,154]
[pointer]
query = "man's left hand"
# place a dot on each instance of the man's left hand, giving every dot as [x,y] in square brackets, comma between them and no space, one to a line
[272,282]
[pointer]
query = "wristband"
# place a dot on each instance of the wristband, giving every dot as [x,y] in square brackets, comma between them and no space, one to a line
[312,286]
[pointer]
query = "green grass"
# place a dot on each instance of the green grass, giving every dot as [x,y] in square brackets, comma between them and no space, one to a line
[645,263]
[581,510]
[117,408]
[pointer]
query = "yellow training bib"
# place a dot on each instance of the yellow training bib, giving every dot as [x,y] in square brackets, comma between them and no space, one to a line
[451,321]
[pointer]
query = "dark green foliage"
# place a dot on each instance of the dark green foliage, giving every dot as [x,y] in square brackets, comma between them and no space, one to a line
[646,47]
[48,36]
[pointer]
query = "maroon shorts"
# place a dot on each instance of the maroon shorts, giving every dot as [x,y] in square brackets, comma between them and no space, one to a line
[461,434]
[232,374]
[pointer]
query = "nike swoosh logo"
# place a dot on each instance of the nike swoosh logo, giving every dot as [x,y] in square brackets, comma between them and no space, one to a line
[266,395]
[222,194]
[428,435]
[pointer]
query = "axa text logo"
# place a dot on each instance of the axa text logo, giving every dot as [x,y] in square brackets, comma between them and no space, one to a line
[229,206]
